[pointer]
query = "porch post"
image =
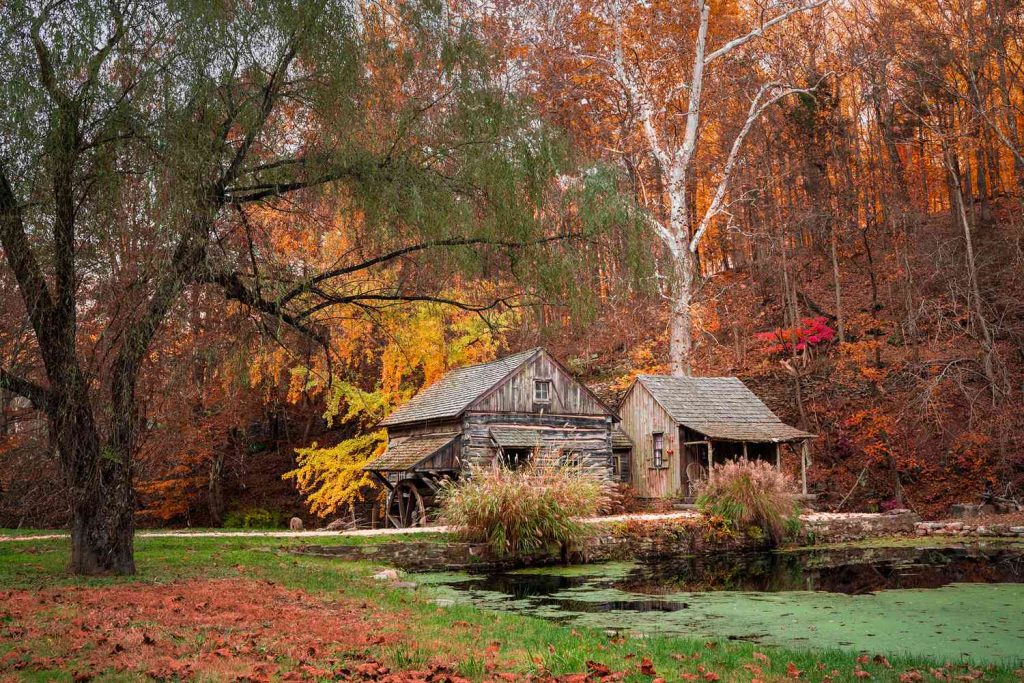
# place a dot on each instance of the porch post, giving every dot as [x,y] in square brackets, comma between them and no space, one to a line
[711,459]
[745,451]
[804,458]
[778,457]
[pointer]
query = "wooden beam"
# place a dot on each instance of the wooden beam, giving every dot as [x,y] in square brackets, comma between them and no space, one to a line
[382,479]
[745,451]
[805,458]
[778,456]
[711,459]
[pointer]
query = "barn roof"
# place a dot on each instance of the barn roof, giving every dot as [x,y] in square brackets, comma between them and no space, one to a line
[720,408]
[405,453]
[453,393]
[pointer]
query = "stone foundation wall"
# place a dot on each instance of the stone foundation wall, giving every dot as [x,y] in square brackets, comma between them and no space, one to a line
[968,529]
[837,527]
[634,539]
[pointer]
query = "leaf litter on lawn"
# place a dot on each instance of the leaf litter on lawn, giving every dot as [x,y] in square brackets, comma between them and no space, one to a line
[236,628]
[240,629]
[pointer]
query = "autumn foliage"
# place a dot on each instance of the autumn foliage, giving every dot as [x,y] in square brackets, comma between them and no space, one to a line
[862,270]
[811,333]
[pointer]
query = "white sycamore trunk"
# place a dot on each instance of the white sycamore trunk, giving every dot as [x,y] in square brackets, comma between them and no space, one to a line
[675,157]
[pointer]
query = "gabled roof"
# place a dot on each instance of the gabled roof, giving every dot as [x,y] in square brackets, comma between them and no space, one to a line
[453,393]
[405,453]
[720,408]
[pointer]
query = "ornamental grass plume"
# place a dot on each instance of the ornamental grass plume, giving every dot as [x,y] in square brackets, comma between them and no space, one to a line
[522,511]
[751,494]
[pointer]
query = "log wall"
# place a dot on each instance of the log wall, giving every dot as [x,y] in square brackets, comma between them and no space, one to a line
[588,436]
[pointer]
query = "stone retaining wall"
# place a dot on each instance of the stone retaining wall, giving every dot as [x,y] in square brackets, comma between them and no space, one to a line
[643,540]
[968,529]
[837,527]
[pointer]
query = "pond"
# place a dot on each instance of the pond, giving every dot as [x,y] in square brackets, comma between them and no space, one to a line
[942,602]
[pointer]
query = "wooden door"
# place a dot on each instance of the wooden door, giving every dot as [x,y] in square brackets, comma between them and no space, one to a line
[693,467]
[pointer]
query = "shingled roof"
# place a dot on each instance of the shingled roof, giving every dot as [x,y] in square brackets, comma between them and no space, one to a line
[453,393]
[719,408]
[407,452]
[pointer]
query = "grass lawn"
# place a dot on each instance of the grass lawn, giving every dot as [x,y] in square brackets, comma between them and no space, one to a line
[239,608]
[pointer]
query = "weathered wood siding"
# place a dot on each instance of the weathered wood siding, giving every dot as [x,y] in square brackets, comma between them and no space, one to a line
[589,436]
[447,459]
[433,427]
[642,416]
[515,394]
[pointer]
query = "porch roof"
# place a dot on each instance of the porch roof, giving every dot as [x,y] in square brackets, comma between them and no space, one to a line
[720,408]
[405,453]
[512,437]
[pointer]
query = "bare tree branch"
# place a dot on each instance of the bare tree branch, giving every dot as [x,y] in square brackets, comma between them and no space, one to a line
[757,107]
[759,31]
[398,253]
[40,396]
[20,257]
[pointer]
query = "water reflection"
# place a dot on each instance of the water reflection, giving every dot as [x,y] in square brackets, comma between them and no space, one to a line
[853,571]
[788,598]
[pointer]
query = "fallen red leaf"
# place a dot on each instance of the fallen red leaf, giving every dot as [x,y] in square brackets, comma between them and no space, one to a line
[647,667]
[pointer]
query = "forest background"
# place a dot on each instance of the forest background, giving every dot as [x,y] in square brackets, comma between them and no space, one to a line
[847,211]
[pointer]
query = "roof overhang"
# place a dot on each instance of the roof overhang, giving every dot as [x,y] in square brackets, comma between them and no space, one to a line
[408,453]
[750,432]
[513,437]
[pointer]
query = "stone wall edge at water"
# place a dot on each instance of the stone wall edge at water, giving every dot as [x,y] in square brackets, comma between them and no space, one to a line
[619,541]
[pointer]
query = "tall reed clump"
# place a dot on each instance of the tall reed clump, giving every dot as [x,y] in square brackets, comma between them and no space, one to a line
[522,511]
[751,494]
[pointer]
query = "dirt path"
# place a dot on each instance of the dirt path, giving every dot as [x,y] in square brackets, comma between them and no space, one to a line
[319,533]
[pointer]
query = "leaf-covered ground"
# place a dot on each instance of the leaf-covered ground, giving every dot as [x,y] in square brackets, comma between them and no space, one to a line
[239,609]
[227,628]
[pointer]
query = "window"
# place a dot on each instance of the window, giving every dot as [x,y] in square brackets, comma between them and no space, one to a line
[542,391]
[514,458]
[659,449]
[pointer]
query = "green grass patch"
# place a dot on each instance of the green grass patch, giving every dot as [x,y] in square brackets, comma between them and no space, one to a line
[458,633]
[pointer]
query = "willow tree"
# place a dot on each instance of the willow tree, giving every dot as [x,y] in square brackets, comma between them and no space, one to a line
[141,138]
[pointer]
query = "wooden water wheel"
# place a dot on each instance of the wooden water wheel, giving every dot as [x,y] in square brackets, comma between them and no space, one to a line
[407,504]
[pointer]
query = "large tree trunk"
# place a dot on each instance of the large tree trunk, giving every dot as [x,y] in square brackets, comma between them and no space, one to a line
[99,479]
[680,345]
[103,527]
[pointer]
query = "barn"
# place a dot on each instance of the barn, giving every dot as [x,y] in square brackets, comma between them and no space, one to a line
[503,413]
[679,426]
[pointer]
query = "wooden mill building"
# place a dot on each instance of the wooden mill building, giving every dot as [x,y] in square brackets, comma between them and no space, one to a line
[679,426]
[503,413]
